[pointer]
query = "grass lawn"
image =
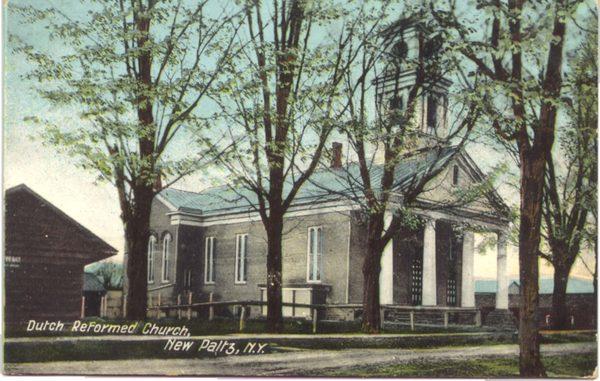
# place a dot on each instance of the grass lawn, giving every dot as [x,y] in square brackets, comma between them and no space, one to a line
[567,366]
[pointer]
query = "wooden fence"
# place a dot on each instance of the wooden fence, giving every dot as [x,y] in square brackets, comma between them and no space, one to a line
[185,309]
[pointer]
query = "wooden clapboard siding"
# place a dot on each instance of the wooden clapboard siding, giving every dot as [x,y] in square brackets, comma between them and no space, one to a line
[45,253]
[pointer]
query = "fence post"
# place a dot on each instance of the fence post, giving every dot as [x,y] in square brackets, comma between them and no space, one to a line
[189,311]
[242,318]
[104,305]
[211,309]
[314,320]
[381,316]
[124,306]
[178,304]
[101,306]
[412,320]
[82,307]
[158,310]
[478,318]
[445,319]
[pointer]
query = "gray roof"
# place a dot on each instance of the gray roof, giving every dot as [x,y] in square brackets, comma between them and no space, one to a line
[575,285]
[91,283]
[324,185]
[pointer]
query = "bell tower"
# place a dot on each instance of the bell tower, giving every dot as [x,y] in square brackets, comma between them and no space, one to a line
[411,53]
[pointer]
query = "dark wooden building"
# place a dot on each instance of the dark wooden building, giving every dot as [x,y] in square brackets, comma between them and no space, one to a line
[45,254]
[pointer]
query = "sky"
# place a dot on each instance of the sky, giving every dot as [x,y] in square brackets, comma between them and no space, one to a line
[75,191]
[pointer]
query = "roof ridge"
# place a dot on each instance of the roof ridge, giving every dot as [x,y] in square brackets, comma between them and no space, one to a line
[179,190]
[196,192]
[78,225]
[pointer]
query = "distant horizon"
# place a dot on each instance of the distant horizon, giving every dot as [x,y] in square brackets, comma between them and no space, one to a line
[544,276]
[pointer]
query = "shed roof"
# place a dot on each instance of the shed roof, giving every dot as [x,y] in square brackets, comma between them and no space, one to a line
[91,283]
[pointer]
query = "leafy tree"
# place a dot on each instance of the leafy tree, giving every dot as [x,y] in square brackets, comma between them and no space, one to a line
[519,46]
[110,274]
[570,189]
[278,103]
[399,140]
[134,74]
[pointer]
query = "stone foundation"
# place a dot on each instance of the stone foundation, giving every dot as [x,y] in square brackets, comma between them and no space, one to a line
[501,319]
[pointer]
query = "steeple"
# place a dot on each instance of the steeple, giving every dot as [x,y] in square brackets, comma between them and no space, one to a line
[411,54]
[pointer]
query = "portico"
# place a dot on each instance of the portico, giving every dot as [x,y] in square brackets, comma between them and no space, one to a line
[435,265]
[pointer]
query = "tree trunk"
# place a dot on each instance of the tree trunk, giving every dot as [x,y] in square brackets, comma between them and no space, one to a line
[274,278]
[532,182]
[595,277]
[136,242]
[560,315]
[595,284]
[371,321]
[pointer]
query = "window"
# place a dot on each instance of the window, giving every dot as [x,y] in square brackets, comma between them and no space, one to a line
[166,260]
[416,287]
[432,108]
[209,260]
[451,284]
[451,292]
[315,254]
[187,279]
[240,258]
[151,251]
[396,103]
[455,173]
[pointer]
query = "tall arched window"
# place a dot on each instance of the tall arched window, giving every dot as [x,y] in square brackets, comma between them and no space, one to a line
[166,257]
[151,251]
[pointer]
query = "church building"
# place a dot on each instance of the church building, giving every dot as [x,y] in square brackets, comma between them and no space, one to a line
[212,244]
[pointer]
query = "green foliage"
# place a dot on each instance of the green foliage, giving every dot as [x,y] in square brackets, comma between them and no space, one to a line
[279,97]
[570,200]
[110,274]
[98,81]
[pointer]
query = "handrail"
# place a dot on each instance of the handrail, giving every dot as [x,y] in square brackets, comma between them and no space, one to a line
[445,310]
[317,306]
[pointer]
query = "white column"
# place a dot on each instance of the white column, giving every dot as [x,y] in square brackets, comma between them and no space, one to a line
[467,283]
[502,278]
[429,271]
[386,275]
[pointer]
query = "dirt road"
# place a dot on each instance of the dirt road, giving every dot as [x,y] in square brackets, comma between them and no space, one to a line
[294,362]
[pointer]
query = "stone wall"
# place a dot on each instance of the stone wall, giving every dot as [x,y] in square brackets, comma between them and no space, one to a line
[581,306]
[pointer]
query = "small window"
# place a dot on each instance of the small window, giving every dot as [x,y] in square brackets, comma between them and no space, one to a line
[209,260]
[187,279]
[396,103]
[166,259]
[240,258]
[455,174]
[432,109]
[416,287]
[151,251]
[315,254]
